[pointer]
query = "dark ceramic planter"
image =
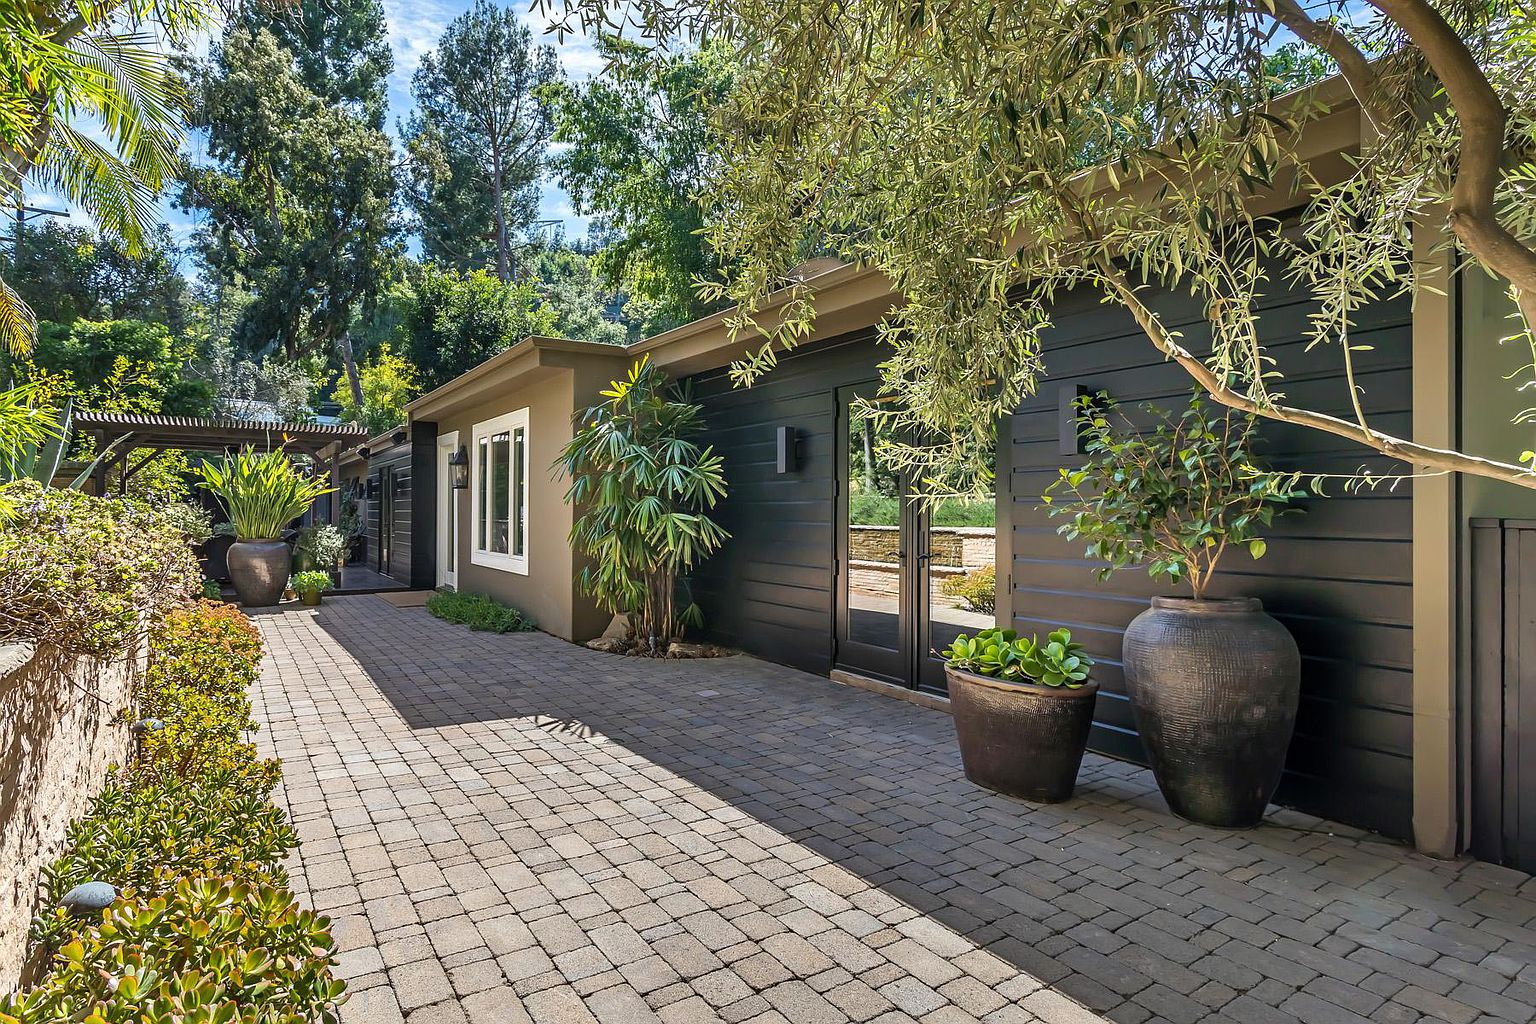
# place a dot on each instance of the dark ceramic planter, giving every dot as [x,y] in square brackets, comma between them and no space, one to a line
[259,569]
[1213,687]
[1021,739]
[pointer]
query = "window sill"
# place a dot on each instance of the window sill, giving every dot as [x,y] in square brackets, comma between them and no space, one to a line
[504,563]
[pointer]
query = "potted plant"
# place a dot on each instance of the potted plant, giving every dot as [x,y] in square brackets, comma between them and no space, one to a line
[262,494]
[310,584]
[1213,681]
[1022,711]
[320,548]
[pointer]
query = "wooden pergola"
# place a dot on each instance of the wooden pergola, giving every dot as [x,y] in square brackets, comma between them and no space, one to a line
[152,435]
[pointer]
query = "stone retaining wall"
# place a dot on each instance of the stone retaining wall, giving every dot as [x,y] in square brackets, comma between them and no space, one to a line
[964,547]
[59,733]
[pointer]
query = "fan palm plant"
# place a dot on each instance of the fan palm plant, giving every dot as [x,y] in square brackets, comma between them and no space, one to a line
[643,486]
[64,63]
[262,493]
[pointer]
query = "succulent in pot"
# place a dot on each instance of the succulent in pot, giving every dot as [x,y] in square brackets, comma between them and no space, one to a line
[263,493]
[310,584]
[1213,681]
[1022,709]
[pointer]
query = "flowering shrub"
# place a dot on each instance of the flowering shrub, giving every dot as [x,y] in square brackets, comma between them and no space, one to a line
[84,574]
[209,950]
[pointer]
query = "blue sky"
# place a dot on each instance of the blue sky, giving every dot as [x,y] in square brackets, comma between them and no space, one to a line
[414,28]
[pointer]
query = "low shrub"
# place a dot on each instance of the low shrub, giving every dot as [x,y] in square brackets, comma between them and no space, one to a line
[977,588]
[208,950]
[478,612]
[875,509]
[204,928]
[146,831]
[84,574]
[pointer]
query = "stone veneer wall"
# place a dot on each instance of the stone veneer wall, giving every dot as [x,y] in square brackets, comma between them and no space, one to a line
[60,730]
[965,547]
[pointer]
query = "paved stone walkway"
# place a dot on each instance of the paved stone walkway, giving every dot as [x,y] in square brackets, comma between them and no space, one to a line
[511,828]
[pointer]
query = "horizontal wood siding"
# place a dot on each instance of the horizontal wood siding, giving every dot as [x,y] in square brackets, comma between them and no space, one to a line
[1338,576]
[398,459]
[769,590]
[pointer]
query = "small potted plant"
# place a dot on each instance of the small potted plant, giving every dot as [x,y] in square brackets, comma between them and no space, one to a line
[1213,681]
[263,494]
[310,584]
[1022,711]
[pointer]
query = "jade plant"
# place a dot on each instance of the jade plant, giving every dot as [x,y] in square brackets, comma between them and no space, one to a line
[1003,654]
[1173,498]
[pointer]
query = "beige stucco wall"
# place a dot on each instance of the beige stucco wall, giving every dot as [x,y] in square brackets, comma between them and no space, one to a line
[56,743]
[549,592]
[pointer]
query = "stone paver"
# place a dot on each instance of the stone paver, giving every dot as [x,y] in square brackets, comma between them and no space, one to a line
[512,828]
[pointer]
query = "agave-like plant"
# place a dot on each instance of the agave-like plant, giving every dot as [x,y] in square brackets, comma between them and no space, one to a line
[34,440]
[262,492]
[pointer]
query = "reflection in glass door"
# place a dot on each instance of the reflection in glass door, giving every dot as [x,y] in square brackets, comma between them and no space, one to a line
[873,589]
[957,558]
[910,576]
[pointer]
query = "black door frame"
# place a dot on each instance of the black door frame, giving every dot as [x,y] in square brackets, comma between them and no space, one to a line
[908,663]
[386,518]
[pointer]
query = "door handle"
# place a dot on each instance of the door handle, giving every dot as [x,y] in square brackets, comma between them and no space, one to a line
[925,556]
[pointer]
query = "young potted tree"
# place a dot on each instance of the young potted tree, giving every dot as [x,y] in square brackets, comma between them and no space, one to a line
[1213,681]
[1022,711]
[262,494]
[310,584]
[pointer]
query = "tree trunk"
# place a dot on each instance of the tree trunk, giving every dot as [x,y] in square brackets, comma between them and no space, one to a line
[349,361]
[503,256]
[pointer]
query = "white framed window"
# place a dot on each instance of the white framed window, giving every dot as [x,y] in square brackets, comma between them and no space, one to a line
[498,457]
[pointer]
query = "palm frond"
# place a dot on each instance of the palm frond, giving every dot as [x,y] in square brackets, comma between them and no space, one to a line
[18,324]
[142,107]
[99,182]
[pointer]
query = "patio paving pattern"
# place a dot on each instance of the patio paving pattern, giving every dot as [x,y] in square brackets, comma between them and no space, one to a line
[512,829]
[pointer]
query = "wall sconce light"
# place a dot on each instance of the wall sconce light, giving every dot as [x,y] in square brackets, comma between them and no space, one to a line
[458,465]
[787,447]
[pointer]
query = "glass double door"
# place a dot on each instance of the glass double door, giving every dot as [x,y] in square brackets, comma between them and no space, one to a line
[909,576]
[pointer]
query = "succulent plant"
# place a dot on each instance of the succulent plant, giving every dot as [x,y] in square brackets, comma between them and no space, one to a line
[1003,654]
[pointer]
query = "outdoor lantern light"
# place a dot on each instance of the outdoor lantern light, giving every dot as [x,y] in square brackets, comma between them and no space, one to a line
[458,462]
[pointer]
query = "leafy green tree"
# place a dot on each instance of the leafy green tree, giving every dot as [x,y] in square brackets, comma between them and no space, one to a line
[69,64]
[475,143]
[389,381]
[640,146]
[122,365]
[587,310]
[456,321]
[66,272]
[245,388]
[298,197]
[340,49]
[645,487]
[942,146]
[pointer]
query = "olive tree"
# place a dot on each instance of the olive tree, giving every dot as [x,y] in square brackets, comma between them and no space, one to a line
[985,157]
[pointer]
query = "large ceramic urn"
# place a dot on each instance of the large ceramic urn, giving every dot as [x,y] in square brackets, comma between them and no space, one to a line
[259,569]
[1213,686]
[1021,739]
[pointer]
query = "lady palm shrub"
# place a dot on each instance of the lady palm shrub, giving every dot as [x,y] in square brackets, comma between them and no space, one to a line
[262,493]
[643,486]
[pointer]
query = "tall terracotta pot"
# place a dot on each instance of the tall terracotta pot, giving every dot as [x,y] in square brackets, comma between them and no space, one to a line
[259,569]
[1213,686]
